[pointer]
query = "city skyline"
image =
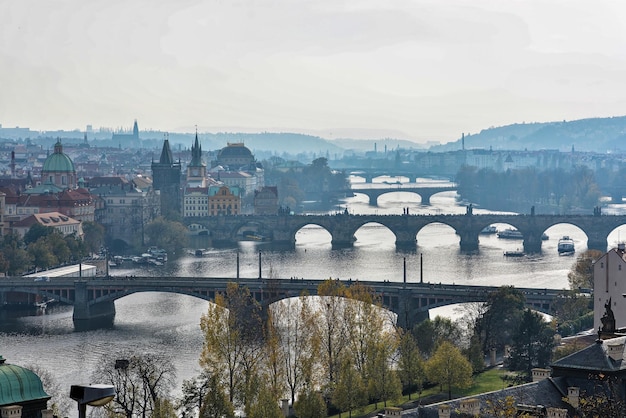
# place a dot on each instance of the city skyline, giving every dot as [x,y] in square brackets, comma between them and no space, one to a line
[420,70]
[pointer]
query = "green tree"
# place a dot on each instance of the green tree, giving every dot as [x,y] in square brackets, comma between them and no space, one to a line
[533,342]
[93,235]
[37,231]
[169,235]
[430,333]
[502,311]
[449,368]
[581,274]
[15,254]
[193,392]
[41,255]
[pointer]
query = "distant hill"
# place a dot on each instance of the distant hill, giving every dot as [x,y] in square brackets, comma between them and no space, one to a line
[596,134]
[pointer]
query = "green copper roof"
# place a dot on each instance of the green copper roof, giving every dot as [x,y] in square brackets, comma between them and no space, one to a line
[58,161]
[18,385]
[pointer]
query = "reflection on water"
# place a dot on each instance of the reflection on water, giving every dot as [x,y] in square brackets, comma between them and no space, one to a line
[169,323]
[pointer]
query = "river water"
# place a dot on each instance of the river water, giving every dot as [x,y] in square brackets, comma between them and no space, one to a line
[169,323]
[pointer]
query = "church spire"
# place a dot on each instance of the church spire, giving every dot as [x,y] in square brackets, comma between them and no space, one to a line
[166,153]
[196,152]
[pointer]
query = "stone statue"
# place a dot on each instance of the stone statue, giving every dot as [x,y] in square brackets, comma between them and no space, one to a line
[608,319]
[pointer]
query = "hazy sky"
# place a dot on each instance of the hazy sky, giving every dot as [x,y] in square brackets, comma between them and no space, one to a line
[414,69]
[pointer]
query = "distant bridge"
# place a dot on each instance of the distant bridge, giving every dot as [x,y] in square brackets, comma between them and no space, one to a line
[281,229]
[93,298]
[425,192]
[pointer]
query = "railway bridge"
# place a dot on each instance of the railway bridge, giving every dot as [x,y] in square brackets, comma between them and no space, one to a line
[94,299]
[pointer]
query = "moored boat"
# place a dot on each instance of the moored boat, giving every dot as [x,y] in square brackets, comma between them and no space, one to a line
[516,253]
[490,229]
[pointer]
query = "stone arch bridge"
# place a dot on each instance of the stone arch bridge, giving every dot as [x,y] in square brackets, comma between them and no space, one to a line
[94,298]
[281,229]
[425,192]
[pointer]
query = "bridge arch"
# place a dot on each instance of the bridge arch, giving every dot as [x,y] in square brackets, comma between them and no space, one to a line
[383,233]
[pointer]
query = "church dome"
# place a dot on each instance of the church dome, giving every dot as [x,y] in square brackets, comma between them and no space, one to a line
[18,385]
[235,154]
[58,161]
[236,150]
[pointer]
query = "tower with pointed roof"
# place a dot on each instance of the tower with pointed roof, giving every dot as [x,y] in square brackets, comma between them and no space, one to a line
[166,178]
[196,169]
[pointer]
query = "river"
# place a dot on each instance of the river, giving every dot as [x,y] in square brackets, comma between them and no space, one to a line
[169,323]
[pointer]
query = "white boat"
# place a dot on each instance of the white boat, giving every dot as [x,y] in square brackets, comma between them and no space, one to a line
[566,245]
[510,233]
[489,230]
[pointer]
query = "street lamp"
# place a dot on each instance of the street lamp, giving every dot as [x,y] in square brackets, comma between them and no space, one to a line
[94,395]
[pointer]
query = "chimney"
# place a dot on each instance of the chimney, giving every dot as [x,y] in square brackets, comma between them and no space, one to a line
[284,406]
[556,413]
[621,247]
[470,406]
[11,411]
[444,411]
[572,396]
[540,374]
[615,350]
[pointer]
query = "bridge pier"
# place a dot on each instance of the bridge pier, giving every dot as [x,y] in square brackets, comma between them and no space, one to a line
[408,310]
[469,241]
[88,316]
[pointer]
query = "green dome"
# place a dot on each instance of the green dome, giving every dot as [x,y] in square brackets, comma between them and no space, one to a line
[18,385]
[58,162]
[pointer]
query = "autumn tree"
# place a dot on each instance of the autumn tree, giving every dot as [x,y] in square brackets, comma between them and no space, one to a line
[350,391]
[410,364]
[296,325]
[332,331]
[215,403]
[310,404]
[605,399]
[233,341]
[383,382]
[581,274]
[367,323]
[265,405]
[449,368]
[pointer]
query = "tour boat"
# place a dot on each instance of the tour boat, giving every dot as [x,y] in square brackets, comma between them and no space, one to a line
[566,245]
[510,233]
